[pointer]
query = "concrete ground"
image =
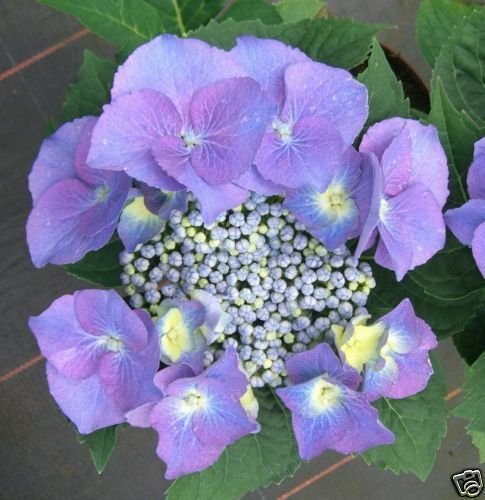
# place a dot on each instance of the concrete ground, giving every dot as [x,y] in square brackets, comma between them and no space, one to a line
[40,52]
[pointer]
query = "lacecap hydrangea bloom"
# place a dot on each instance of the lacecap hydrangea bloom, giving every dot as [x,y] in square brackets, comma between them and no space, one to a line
[234,182]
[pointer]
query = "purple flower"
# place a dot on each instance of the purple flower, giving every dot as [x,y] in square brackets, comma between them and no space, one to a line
[76,209]
[409,191]
[184,115]
[336,213]
[393,353]
[321,111]
[468,221]
[198,416]
[102,357]
[327,411]
[143,217]
[187,327]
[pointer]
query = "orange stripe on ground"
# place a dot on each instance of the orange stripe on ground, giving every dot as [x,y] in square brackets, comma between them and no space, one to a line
[337,465]
[24,366]
[42,54]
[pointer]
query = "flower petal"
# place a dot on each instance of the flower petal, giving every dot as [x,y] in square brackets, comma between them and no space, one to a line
[175,67]
[230,118]
[266,61]
[309,155]
[476,172]
[478,248]
[126,131]
[252,181]
[315,89]
[463,221]
[62,340]
[85,402]
[55,160]
[137,224]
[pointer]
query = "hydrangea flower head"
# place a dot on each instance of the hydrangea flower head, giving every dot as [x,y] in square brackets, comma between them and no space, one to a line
[327,411]
[393,354]
[184,115]
[101,357]
[76,208]
[468,221]
[321,111]
[409,192]
[336,213]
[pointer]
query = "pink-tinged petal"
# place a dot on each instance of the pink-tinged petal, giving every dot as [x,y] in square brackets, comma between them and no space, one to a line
[137,224]
[411,223]
[85,402]
[66,223]
[396,164]
[464,221]
[170,374]
[140,417]
[63,341]
[476,172]
[126,131]
[266,62]
[175,67]
[315,89]
[55,161]
[213,200]
[254,182]
[128,376]
[428,160]
[372,173]
[178,446]
[414,371]
[229,119]
[308,153]
[478,248]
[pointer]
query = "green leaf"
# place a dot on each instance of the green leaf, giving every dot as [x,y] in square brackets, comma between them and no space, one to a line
[457,132]
[101,266]
[256,460]
[460,66]
[419,424]
[445,291]
[90,90]
[297,10]
[125,23]
[474,397]
[101,444]
[338,42]
[386,95]
[435,22]
[470,343]
[246,10]
[478,439]
[188,16]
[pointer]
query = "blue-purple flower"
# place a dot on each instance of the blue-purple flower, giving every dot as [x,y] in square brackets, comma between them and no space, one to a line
[197,416]
[183,115]
[468,221]
[327,411]
[410,188]
[101,357]
[76,208]
[320,112]
[392,354]
[187,327]
[337,212]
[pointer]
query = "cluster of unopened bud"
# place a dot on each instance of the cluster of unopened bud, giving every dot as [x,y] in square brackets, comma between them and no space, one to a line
[282,287]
